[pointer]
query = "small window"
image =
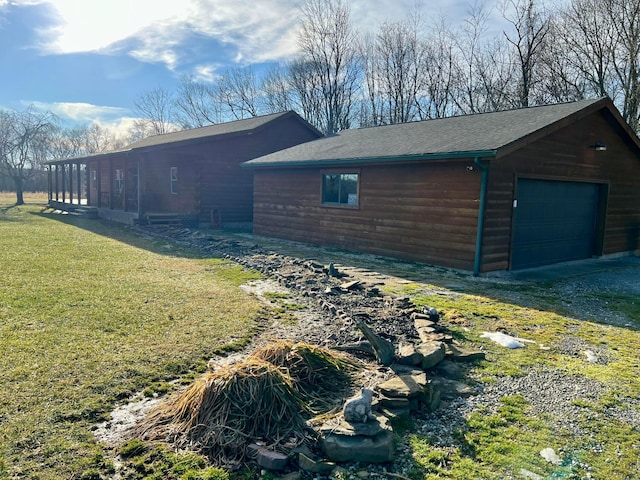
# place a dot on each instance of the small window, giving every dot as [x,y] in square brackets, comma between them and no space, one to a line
[340,189]
[119,180]
[94,178]
[174,180]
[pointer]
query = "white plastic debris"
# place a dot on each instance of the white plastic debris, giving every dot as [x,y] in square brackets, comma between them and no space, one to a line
[591,357]
[550,456]
[506,340]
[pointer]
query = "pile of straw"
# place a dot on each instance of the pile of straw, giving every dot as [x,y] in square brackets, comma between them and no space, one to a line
[265,397]
[320,376]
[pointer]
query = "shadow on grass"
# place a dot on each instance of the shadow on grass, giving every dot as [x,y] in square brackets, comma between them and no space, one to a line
[122,233]
[533,293]
[4,211]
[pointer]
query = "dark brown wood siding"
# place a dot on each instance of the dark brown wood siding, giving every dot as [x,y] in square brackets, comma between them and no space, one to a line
[156,181]
[422,212]
[568,155]
[209,172]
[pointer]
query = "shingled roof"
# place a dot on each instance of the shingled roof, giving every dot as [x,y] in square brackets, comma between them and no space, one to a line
[219,129]
[479,135]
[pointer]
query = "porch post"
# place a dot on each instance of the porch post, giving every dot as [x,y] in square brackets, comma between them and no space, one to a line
[57,182]
[139,190]
[99,182]
[111,183]
[79,183]
[71,183]
[64,183]
[87,183]
[49,184]
[125,175]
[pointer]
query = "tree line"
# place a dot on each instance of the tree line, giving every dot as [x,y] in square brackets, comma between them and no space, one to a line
[418,69]
[413,69]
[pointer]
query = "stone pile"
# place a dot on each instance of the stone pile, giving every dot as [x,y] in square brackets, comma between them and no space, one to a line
[423,364]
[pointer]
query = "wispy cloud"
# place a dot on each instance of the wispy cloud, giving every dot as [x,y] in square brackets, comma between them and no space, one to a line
[206,73]
[116,120]
[175,34]
[81,112]
[165,32]
[160,32]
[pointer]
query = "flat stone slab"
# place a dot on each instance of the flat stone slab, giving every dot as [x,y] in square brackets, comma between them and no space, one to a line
[269,459]
[340,426]
[397,413]
[426,323]
[378,449]
[310,464]
[450,389]
[459,354]
[397,402]
[432,353]
[404,386]
[450,370]
[408,355]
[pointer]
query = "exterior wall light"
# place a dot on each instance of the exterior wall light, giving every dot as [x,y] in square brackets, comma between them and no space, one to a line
[599,147]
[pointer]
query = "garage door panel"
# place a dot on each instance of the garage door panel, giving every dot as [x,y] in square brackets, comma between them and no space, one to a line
[554,222]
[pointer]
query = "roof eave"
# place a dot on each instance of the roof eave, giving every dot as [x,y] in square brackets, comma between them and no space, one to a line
[85,158]
[371,160]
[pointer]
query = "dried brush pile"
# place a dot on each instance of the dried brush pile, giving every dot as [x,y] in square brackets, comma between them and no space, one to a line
[320,376]
[266,397]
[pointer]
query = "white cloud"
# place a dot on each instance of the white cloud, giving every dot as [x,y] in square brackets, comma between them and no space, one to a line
[206,73]
[114,119]
[187,32]
[161,30]
[158,28]
[92,25]
[81,112]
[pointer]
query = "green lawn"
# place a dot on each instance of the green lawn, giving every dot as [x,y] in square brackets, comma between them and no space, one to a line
[89,315]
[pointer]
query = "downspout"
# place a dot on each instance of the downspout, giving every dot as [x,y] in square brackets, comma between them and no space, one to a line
[481,209]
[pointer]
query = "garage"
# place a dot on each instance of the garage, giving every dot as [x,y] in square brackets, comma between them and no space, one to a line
[442,191]
[555,221]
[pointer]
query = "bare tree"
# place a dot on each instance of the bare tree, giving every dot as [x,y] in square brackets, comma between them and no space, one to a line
[81,140]
[597,50]
[438,68]
[393,75]
[277,90]
[196,104]
[24,145]
[484,71]
[531,26]
[154,112]
[304,80]
[624,17]
[329,53]
[239,92]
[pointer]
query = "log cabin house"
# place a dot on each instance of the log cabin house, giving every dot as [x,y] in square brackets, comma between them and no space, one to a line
[486,192]
[191,176]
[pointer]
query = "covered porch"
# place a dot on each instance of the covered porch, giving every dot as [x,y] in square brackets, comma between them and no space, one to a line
[108,184]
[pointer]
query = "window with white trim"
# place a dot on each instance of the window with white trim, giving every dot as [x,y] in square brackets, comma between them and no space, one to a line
[119,180]
[340,189]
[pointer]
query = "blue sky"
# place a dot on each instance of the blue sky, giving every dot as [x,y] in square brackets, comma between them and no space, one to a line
[88,60]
